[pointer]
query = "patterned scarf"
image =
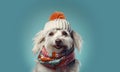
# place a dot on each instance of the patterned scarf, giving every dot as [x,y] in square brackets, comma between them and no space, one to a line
[56,60]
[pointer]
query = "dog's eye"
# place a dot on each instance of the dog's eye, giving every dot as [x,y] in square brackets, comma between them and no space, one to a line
[51,34]
[64,33]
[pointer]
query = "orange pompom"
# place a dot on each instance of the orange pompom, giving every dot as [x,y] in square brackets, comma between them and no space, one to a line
[57,15]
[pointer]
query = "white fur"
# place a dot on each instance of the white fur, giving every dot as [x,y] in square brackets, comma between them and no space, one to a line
[77,40]
[43,39]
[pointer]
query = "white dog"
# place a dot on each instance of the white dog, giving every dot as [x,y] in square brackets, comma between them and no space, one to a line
[55,45]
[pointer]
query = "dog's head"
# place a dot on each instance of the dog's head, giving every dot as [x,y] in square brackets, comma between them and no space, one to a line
[56,39]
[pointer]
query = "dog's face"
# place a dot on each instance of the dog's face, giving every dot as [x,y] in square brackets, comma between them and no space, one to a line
[56,40]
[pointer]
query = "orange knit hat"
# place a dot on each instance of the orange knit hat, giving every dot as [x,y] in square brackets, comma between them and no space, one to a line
[57,20]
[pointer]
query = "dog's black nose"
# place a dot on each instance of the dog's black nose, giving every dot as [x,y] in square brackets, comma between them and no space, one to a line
[58,41]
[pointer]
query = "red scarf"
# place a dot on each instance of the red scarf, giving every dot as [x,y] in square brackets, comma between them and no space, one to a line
[66,59]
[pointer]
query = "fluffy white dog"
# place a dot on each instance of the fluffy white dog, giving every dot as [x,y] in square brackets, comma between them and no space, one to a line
[55,46]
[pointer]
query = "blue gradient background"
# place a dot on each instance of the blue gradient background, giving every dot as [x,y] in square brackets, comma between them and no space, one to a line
[98,22]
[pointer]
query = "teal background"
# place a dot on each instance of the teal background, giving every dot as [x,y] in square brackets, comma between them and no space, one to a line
[97,21]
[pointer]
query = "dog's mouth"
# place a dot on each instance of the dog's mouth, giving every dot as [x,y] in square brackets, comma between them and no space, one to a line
[59,46]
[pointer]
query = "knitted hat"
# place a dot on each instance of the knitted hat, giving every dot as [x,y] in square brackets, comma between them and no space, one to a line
[57,20]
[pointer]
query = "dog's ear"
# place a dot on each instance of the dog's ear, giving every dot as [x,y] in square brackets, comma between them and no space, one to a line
[38,41]
[77,40]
